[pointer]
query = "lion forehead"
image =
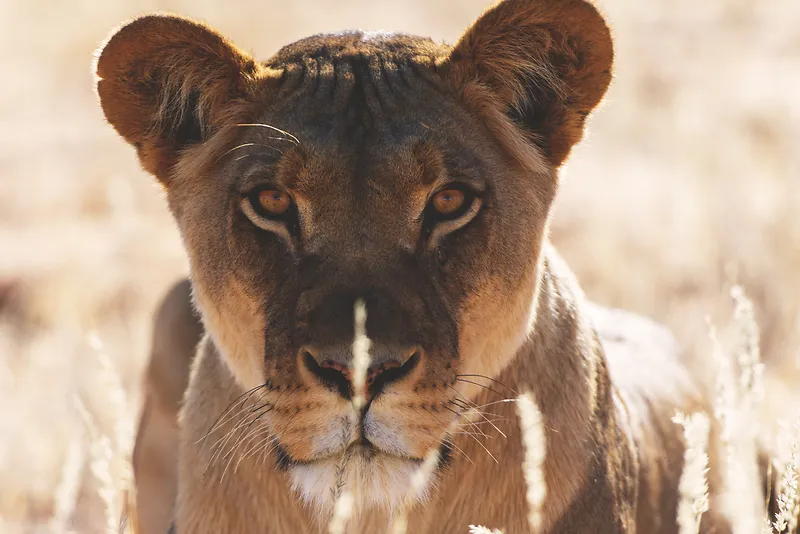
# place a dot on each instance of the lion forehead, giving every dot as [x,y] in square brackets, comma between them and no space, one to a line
[359,43]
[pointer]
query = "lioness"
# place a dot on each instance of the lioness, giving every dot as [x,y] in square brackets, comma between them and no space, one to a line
[416,178]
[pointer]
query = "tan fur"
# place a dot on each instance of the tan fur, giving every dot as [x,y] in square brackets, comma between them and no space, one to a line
[361,130]
[177,331]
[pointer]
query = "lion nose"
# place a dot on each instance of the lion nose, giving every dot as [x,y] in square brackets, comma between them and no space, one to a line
[334,368]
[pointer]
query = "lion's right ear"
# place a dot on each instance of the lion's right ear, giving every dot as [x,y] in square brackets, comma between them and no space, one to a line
[164,83]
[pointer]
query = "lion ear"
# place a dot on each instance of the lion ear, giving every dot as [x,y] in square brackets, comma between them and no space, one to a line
[546,62]
[164,83]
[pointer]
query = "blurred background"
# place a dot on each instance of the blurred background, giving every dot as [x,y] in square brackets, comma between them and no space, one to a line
[688,182]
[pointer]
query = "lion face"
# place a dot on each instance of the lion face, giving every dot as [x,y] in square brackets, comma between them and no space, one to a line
[385,170]
[383,189]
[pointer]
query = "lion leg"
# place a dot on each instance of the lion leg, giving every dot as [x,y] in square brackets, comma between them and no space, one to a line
[176,333]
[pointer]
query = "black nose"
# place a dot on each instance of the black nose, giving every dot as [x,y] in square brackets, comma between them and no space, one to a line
[333,368]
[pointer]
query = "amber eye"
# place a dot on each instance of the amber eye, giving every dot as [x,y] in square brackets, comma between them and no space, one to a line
[451,202]
[271,203]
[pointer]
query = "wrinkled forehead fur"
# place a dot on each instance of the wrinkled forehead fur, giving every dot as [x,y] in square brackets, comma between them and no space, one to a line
[361,129]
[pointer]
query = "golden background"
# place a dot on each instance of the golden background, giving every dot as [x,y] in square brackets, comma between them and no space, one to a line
[688,182]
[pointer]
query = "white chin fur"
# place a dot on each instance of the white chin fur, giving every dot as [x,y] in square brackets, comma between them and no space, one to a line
[382,481]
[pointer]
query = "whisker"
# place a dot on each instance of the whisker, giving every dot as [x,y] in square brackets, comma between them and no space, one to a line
[253,410]
[475,424]
[254,415]
[463,400]
[246,438]
[279,138]
[484,448]
[243,410]
[460,451]
[259,443]
[292,138]
[461,404]
[477,384]
[250,411]
[245,145]
[228,435]
[492,380]
[482,406]
[478,411]
[487,422]
[468,421]
[220,447]
[230,406]
[269,446]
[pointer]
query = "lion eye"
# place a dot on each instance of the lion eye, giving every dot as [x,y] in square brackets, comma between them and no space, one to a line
[270,203]
[451,202]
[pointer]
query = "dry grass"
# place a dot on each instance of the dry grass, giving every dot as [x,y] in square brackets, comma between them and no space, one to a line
[688,184]
[693,485]
[535,446]
[478,529]
[788,496]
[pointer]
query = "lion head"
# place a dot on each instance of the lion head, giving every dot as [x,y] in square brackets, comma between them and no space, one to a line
[386,169]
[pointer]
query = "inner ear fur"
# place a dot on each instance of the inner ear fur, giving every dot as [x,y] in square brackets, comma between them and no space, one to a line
[546,63]
[165,82]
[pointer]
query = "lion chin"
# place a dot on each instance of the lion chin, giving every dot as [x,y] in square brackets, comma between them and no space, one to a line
[373,479]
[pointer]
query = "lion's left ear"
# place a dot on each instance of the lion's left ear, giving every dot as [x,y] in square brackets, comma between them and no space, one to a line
[547,63]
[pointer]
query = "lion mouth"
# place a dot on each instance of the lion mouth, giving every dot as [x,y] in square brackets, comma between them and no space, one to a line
[362,449]
[375,478]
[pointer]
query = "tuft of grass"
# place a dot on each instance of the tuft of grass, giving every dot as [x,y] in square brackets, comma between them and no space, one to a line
[361,358]
[419,480]
[788,498]
[101,455]
[739,392]
[693,485]
[344,500]
[66,493]
[110,456]
[342,511]
[477,529]
[748,351]
[535,446]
